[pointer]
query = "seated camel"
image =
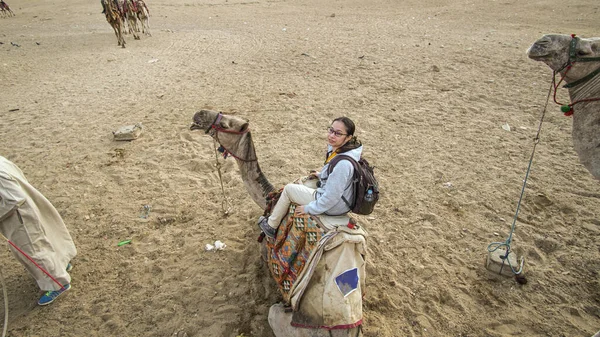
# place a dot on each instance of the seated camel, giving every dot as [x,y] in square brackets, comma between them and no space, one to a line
[577,60]
[318,263]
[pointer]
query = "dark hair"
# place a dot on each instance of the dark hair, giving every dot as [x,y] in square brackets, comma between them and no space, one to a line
[348,123]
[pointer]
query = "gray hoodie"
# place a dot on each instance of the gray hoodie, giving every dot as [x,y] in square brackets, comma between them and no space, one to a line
[333,187]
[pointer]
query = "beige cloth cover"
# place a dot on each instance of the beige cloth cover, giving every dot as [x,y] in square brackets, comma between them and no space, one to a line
[316,299]
[319,309]
[31,223]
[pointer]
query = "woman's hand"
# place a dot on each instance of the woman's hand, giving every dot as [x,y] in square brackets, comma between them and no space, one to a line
[313,175]
[300,210]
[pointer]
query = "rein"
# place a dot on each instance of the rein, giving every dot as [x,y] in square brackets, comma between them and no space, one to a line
[225,203]
[567,109]
[216,128]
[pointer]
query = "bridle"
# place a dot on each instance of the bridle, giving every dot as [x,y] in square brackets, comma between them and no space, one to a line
[567,109]
[215,127]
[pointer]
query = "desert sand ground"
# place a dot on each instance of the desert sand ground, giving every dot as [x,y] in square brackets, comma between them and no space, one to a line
[430,85]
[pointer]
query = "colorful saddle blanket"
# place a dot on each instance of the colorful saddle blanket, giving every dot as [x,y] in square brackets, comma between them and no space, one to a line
[296,238]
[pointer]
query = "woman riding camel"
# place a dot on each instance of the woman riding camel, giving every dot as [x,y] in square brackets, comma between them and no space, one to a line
[334,189]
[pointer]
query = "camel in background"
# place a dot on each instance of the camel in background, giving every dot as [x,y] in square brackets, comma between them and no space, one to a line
[115,19]
[143,15]
[130,13]
[5,9]
[577,60]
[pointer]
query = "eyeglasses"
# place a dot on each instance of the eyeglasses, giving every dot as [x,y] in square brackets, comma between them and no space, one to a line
[330,130]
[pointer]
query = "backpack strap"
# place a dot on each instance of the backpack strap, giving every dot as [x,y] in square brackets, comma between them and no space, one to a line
[339,158]
[334,162]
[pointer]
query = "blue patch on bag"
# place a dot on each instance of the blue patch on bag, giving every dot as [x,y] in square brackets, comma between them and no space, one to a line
[347,281]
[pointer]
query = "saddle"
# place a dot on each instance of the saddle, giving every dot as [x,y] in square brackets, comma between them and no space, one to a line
[318,264]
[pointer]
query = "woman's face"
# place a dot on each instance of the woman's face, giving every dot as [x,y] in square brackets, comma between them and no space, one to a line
[337,135]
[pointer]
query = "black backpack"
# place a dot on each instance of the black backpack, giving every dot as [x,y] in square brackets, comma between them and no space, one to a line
[366,188]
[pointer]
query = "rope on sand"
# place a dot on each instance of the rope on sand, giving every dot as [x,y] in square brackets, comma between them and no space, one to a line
[5,304]
[495,245]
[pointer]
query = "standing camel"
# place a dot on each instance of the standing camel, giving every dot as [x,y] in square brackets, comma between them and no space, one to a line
[577,60]
[143,15]
[130,11]
[115,19]
[317,306]
[6,11]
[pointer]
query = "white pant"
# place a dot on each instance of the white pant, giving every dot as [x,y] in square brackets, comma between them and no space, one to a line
[296,193]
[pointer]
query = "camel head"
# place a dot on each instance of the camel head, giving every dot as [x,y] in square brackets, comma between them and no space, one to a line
[578,62]
[559,51]
[233,134]
[208,120]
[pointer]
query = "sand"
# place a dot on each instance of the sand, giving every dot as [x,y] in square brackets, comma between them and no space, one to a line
[430,85]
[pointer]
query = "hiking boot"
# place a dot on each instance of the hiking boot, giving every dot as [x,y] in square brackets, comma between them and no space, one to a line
[263,223]
[50,296]
[69,267]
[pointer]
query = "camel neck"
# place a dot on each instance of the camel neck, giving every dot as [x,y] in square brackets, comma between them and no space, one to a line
[255,181]
[589,89]
[242,149]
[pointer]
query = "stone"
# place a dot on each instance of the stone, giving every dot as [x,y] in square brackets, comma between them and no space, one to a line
[128,132]
[498,264]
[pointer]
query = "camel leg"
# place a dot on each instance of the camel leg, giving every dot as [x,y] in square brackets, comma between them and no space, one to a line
[121,36]
[144,30]
[133,27]
[124,22]
[117,34]
[148,25]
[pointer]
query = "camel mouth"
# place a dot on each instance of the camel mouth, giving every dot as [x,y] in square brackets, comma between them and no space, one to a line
[539,57]
[538,53]
[196,126]
[202,120]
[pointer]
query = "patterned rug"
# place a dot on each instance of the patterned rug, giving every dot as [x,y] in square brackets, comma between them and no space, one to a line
[296,238]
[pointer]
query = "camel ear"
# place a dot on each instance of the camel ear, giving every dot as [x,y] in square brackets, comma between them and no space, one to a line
[244,127]
[595,46]
[224,124]
[585,49]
